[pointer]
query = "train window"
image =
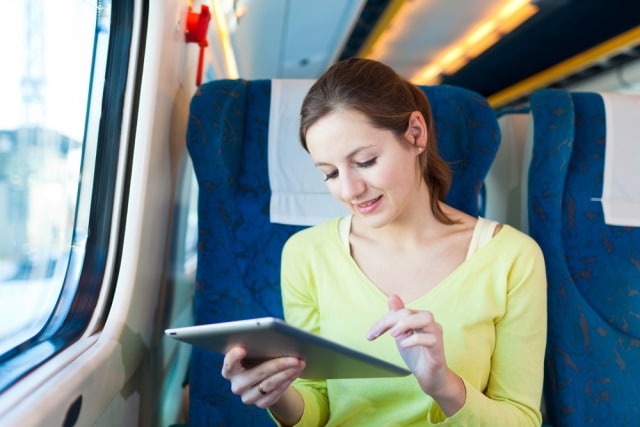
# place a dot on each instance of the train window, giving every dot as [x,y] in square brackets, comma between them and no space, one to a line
[56,88]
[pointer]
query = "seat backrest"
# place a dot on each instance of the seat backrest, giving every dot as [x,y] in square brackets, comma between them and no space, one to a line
[592,368]
[238,273]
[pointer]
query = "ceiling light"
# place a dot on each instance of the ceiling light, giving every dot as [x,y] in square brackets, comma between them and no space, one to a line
[480,38]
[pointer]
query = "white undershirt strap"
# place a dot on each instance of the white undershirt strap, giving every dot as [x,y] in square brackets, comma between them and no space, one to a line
[482,233]
[344,227]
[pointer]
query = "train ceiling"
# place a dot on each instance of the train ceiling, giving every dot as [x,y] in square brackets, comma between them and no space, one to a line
[299,39]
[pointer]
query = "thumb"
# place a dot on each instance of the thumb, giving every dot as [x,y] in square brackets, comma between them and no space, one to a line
[395,303]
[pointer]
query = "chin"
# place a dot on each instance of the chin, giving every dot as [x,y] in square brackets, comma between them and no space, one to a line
[375,221]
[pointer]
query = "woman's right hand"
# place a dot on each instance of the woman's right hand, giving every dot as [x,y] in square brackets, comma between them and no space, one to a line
[264,384]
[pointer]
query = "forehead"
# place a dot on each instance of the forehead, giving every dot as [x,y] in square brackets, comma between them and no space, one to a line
[341,132]
[336,120]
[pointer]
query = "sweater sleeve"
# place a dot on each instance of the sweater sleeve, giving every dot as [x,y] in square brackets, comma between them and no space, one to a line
[316,405]
[301,309]
[513,393]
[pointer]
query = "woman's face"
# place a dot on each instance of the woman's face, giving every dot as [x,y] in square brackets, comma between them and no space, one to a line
[373,173]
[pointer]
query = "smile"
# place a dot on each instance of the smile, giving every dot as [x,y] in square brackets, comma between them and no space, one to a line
[368,206]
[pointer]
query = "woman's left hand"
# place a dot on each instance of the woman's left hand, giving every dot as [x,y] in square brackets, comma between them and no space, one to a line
[419,339]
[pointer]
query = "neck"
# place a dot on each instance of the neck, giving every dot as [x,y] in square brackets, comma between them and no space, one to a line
[415,224]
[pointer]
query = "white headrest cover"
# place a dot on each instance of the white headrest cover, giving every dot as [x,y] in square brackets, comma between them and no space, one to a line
[621,185]
[299,194]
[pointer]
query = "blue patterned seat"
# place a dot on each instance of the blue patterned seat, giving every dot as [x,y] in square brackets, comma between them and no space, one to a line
[239,248]
[592,368]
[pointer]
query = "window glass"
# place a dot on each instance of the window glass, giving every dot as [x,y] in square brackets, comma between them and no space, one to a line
[47,61]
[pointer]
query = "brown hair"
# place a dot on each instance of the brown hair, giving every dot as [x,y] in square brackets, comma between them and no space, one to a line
[387,100]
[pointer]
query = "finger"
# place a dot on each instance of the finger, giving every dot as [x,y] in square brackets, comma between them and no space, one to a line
[395,303]
[232,363]
[396,307]
[272,396]
[419,321]
[381,326]
[421,339]
[385,323]
[279,368]
[270,390]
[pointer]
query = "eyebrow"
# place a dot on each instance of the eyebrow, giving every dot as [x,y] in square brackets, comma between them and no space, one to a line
[349,156]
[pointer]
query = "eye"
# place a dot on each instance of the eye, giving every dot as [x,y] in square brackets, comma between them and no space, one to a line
[368,163]
[331,175]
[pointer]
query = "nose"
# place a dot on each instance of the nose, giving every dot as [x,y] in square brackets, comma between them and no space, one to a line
[351,186]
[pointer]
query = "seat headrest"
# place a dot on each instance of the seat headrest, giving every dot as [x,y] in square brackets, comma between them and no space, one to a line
[299,195]
[620,188]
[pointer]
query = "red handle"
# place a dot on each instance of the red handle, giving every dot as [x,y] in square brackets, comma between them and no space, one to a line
[196,32]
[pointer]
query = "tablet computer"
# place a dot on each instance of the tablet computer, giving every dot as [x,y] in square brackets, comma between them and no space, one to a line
[270,337]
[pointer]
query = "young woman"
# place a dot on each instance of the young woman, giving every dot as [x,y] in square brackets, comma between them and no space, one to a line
[460,300]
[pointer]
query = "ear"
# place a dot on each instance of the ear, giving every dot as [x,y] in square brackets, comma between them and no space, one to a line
[416,132]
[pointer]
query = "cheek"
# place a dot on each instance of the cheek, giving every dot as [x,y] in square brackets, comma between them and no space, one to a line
[394,175]
[334,188]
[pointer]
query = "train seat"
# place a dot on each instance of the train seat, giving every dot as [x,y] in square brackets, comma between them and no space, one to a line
[238,243]
[592,367]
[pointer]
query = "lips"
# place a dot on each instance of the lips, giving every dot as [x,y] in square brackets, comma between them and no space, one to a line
[368,206]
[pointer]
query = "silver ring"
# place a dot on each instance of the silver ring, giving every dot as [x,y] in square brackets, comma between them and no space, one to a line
[261,389]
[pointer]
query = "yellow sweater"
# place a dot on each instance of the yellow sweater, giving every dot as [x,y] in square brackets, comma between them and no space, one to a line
[492,309]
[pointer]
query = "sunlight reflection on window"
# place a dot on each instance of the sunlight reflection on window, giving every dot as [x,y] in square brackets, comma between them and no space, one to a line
[45,85]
